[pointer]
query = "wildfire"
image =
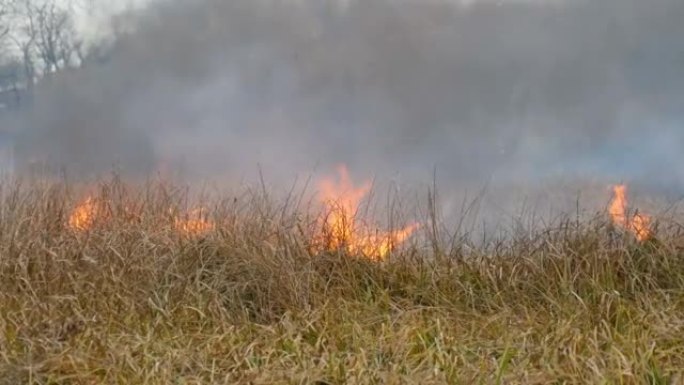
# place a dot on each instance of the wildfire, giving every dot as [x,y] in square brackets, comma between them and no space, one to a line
[86,213]
[638,224]
[194,223]
[341,227]
[83,216]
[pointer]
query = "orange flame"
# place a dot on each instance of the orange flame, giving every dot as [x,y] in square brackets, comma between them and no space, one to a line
[86,213]
[194,223]
[341,228]
[618,206]
[638,224]
[83,216]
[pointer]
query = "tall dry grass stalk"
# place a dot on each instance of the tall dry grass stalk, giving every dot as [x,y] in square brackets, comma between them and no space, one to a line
[132,300]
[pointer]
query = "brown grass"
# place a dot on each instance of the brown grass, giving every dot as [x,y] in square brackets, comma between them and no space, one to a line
[132,301]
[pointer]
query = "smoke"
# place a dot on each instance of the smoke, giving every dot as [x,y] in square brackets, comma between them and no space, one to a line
[483,92]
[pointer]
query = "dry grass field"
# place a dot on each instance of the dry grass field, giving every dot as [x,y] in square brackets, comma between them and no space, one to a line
[136,286]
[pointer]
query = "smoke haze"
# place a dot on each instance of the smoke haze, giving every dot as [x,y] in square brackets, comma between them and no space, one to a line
[484,92]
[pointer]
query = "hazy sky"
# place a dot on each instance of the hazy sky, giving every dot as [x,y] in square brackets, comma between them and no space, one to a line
[500,92]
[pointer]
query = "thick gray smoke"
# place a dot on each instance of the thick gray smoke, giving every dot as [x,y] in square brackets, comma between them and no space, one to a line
[483,92]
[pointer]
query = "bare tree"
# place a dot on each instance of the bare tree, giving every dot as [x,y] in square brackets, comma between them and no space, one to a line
[4,20]
[55,35]
[24,38]
[10,76]
[46,37]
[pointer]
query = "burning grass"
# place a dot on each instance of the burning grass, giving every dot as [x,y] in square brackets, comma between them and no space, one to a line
[638,224]
[134,299]
[341,228]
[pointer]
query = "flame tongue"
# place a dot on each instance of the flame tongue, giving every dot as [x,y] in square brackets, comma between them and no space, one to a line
[341,227]
[618,206]
[86,213]
[195,223]
[342,200]
[639,224]
[378,246]
[83,216]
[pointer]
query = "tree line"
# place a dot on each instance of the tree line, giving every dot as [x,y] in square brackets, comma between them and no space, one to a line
[39,38]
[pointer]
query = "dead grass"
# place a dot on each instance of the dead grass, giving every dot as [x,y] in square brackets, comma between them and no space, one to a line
[132,301]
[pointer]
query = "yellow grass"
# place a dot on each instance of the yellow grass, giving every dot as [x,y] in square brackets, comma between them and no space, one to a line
[134,301]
